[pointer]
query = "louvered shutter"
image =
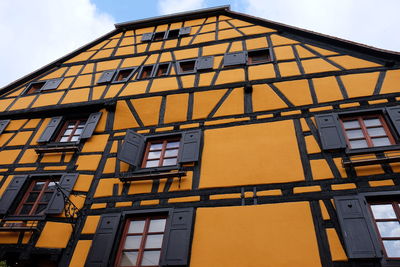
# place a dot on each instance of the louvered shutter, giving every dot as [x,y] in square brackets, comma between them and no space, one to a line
[103,241]
[90,125]
[205,63]
[52,84]
[236,58]
[132,148]
[190,146]
[358,232]
[178,233]
[3,125]
[50,130]
[147,37]
[184,31]
[11,192]
[106,76]
[330,132]
[394,115]
[57,203]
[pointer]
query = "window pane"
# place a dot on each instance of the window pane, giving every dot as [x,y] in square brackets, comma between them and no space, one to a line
[41,208]
[32,197]
[372,122]
[376,131]
[389,229]
[351,134]
[26,209]
[129,258]
[151,258]
[68,132]
[71,126]
[384,141]
[154,155]
[78,131]
[132,242]
[157,225]
[38,186]
[64,139]
[169,162]
[136,227]
[74,138]
[171,153]
[155,146]
[351,124]
[173,144]
[154,241]
[46,197]
[384,211]
[392,248]
[152,163]
[358,144]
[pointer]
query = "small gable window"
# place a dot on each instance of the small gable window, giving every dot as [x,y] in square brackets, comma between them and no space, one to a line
[124,75]
[172,34]
[146,72]
[186,66]
[162,70]
[258,56]
[36,87]
[158,36]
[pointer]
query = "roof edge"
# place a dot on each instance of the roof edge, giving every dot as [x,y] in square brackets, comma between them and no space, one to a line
[163,18]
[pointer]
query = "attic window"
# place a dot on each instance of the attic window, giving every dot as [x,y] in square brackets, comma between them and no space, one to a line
[187,66]
[173,34]
[34,88]
[162,70]
[146,72]
[158,36]
[258,56]
[123,75]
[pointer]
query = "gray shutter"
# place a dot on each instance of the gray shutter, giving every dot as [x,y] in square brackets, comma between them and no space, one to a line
[132,148]
[56,203]
[177,240]
[106,76]
[11,192]
[394,115]
[3,125]
[147,37]
[190,146]
[50,130]
[90,125]
[205,63]
[330,131]
[357,229]
[184,31]
[236,58]
[103,241]
[52,84]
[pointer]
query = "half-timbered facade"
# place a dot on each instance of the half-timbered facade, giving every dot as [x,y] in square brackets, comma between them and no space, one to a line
[206,138]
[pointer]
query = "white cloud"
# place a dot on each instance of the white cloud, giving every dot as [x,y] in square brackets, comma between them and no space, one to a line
[174,6]
[34,33]
[365,21]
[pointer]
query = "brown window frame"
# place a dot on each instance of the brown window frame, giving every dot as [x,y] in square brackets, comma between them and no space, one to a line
[164,142]
[64,128]
[364,129]
[251,55]
[144,235]
[395,204]
[36,203]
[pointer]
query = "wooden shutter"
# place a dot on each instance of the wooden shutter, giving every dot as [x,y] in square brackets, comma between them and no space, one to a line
[190,146]
[147,37]
[184,31]
[394,115]
[90,125]
[205,63]
[52,84]
[359,236]
[132,148]
[330,132]
[178,233]
[106,76]
[11,192]
[3,125]
[56,203]
[236,58]
[103,241]
[50,130]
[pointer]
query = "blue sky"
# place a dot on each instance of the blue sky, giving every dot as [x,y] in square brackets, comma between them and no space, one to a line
[35,33]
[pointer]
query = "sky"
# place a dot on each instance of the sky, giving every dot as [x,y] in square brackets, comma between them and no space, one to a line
[35,33]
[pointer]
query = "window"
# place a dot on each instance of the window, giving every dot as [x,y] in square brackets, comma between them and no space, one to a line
[123,75]
[162,70]
[146,72]
[258,56]
[71,131]
[34,88]
[366,131]
[141,241]
[161,153]
[158,36]
[173,34]
[386,216]
[37,197]
[186,66]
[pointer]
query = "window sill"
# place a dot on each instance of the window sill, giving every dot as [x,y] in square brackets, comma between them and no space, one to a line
[152,174]
[368,150]
[58,147]
[364,160]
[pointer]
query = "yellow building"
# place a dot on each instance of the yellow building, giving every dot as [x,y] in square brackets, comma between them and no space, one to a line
[206,138]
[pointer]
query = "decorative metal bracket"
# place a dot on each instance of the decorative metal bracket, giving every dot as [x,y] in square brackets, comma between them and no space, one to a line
[71,211]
